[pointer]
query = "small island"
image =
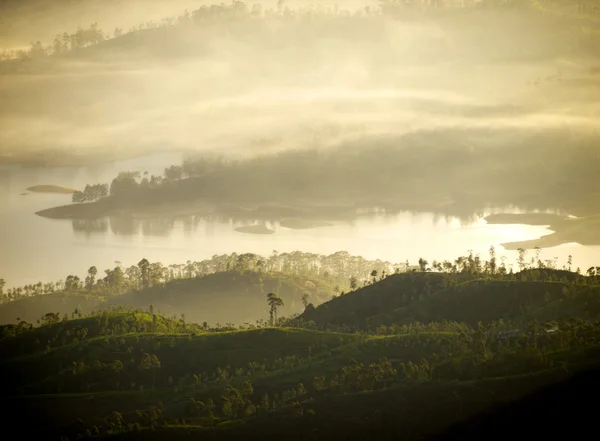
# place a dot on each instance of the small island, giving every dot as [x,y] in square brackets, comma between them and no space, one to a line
[57,189]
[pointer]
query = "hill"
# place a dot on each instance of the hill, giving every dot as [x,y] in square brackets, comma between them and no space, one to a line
[31,309]
[394,291]
[139,375]
[544,294]
[492,300]
[229,297]
[223,297]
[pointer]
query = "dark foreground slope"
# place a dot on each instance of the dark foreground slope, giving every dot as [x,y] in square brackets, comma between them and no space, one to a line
[564,410]
[132,375]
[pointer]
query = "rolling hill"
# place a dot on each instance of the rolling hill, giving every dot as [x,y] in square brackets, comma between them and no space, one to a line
[429,297]
[216,298]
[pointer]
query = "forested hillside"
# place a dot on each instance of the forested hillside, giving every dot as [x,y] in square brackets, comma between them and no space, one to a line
[469,335]
[226,288]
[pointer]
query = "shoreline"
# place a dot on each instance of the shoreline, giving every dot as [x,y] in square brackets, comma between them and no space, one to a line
[298,214]
[563,229]
[303,214]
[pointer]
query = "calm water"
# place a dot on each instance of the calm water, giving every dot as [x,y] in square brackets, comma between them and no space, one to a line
[33,248]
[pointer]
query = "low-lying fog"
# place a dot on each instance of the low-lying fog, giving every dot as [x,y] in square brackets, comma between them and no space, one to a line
[270,84]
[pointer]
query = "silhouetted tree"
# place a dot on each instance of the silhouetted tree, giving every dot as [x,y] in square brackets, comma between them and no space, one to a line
[274,302]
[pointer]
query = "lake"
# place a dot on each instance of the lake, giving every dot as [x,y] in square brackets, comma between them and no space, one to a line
[35,249]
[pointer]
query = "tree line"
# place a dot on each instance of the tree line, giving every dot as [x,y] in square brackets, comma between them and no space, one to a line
[241,10]
[343,270]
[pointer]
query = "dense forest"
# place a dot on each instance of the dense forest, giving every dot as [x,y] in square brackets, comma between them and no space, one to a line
[469,335]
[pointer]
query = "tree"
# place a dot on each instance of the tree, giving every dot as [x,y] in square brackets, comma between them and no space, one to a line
[144,267]
[195,380]
[233,402]
[374,275]
[247,390]
[492,263]
[305,300]
[422,265]
[124,183]
[72,283]
[91,277]
[591,271]
[150,363]
[353,283]
[78,197]
[274,302]
[521,259]
[50,318]
[173,173]
[115,422]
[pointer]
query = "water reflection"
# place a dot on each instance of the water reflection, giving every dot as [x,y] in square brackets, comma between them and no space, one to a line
[205,224]
[4,185]
[28,243]
[162,227]
[90,226]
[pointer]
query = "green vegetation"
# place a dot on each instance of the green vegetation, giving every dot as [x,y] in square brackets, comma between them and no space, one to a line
[466,335]
[225,288]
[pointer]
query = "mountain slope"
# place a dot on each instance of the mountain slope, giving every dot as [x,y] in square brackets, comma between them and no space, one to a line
[394,291]
[228,296]
[216,298]
[430,297]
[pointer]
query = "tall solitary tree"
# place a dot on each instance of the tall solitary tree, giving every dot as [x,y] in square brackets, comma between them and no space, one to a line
[305,300]
[274,302]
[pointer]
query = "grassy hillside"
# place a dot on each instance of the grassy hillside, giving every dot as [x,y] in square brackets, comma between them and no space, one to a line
[472,339]
[229,296]
[491,300]
[31,309]
[543,294]
[389,293]
[223,297]
[301,381]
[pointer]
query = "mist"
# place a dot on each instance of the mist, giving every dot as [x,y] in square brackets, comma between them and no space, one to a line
[269,84]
